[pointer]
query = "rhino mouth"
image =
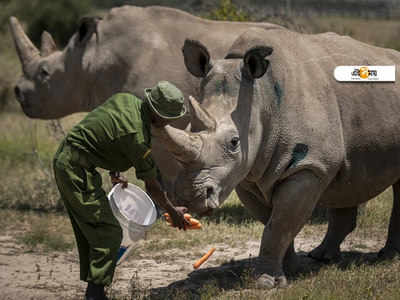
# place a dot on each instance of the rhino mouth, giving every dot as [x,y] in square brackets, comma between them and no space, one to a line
[28,108]
[23,101]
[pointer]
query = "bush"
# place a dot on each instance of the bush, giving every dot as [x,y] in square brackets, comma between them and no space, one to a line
[227,11]
[59,17]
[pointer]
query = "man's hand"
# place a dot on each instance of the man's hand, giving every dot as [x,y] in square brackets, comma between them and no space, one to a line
[116,178]
[177,217]
[176,213]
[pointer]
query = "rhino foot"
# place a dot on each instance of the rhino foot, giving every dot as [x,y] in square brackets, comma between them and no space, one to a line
[268,282]
[388,253]
[324,254]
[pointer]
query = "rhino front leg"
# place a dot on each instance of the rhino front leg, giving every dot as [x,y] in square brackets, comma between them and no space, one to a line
[392,246]
[293,201]
[252,198]
[342,221]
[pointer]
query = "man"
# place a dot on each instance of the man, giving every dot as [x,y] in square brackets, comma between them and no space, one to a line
[115,136]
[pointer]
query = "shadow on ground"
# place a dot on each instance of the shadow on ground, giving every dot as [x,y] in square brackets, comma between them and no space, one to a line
[238,214]
[240,274]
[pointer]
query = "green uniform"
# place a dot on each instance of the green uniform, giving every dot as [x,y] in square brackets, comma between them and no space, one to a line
[115,136]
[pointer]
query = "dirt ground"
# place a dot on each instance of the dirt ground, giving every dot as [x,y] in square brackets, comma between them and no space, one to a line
[55,275]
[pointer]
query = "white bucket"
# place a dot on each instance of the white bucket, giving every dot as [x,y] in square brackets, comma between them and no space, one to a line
[134,210]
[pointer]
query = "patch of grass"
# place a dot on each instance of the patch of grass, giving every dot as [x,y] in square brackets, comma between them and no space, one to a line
[358,282]
[46,232]
[382,33]
[26,153]
[378,281]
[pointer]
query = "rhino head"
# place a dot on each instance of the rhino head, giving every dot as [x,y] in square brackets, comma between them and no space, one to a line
[51,78]
[227,129]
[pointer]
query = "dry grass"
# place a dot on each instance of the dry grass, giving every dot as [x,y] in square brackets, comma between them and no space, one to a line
[378,32]
[38,232]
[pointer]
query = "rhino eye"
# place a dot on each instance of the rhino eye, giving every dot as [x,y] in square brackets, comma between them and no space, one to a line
[234,143]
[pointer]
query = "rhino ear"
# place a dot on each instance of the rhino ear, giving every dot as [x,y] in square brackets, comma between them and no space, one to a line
[197,58]
[255,63]
[87,26]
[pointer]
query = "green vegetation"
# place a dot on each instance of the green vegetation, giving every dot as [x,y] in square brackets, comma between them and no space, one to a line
[58,17]
[228,12]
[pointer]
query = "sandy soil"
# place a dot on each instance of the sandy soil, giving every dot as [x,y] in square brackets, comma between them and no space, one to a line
[55,275]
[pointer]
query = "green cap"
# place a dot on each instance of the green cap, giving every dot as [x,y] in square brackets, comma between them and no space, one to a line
[166,100]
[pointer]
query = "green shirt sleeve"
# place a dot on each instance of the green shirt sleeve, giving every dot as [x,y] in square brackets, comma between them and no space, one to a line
[139,153]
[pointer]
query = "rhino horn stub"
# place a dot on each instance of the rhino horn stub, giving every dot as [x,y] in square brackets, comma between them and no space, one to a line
[48,46]
[26,50]
[184,146]
[201,119]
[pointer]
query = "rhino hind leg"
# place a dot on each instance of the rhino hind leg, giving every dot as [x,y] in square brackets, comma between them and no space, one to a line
[392,246]
[342,221]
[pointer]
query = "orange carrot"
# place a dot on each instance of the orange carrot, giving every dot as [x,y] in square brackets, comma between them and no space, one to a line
[194,223]
[196,226]
[198,263]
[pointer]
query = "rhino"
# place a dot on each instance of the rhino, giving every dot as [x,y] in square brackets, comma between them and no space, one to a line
[130,49]
[274,124]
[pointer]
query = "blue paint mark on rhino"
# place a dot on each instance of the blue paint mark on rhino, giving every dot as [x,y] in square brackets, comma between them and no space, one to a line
[278,92]
[299,153]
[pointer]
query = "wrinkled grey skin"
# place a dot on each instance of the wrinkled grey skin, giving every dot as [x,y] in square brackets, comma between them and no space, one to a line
[275,124]
[132,48]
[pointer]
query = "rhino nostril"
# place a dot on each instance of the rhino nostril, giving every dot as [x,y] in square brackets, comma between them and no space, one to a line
[17,92]
[210,191]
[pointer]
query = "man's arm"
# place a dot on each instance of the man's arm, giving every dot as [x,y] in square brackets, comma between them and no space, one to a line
[146,170]
[153,187]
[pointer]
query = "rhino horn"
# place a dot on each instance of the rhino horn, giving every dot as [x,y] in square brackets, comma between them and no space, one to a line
[201,119]
[48,46]
[184,146]
[25,48]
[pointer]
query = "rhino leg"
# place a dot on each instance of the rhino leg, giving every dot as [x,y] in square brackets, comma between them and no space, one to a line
[252,199]
[342,221]
[293,202]
[392,246]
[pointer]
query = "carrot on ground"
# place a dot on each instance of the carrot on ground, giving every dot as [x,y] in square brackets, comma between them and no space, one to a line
[198,263]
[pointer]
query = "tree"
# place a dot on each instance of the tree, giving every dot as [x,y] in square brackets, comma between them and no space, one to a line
[59,17]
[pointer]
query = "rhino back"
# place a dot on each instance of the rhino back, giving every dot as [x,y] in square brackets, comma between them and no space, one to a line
[146,43]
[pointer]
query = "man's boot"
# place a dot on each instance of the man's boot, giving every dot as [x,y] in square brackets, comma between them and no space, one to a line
[95,292]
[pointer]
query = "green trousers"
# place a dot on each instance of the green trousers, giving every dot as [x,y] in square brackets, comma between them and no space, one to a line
[97,232]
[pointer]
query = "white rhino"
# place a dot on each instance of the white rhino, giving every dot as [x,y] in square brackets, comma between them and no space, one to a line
[275,124]
[130,49]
